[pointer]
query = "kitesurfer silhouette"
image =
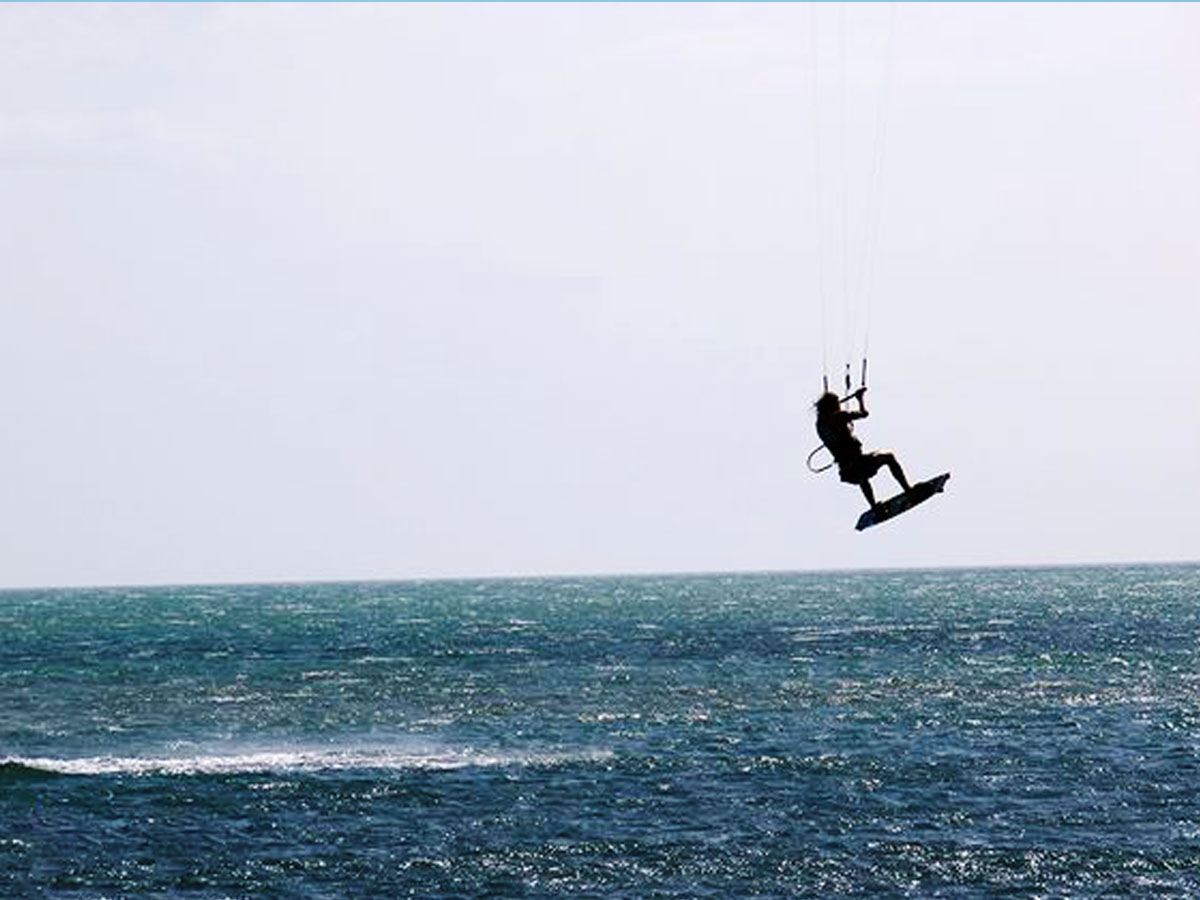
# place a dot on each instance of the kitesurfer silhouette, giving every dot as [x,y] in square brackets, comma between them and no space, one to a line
[836,429]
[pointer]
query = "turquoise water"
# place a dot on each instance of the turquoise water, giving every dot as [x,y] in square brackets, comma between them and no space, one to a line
[987,733]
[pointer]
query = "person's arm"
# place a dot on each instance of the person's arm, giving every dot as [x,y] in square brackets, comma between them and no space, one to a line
[862,407]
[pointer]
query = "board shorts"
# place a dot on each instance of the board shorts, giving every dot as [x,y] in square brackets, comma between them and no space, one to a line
[860,468]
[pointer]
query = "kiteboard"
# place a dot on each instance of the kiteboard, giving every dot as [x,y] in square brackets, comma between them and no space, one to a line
[893,506]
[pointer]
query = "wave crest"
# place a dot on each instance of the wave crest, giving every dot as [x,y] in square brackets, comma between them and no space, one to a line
[292,761]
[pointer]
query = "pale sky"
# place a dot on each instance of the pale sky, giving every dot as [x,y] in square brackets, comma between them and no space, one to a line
[390,291]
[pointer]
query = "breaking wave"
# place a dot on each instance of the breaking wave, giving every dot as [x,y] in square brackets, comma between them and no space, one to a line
[293,761]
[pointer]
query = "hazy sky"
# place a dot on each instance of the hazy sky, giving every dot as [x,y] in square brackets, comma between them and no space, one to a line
[381,291]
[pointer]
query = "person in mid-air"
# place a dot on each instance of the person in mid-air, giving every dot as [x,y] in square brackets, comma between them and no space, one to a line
[836,428]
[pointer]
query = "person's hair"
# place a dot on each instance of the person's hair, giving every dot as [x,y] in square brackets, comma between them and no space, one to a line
[828,403]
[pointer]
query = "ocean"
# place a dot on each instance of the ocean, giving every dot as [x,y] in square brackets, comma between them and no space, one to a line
[953,733]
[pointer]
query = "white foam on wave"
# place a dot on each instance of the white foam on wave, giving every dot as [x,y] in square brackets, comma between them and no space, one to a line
[304,761]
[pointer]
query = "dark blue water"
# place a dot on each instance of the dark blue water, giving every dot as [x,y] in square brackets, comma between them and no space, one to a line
[990,733]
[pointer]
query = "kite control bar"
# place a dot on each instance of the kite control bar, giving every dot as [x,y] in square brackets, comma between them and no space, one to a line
[862,381]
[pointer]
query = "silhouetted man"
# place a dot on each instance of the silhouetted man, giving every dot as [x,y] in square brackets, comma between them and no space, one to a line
[836,428]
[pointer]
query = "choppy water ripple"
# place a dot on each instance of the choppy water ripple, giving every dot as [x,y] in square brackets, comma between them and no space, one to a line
[940,734]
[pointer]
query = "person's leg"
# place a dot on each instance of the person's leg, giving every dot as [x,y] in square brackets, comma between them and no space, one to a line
[867,492]
[893,465]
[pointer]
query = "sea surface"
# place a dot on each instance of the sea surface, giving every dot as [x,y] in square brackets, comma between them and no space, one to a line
[962,733]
